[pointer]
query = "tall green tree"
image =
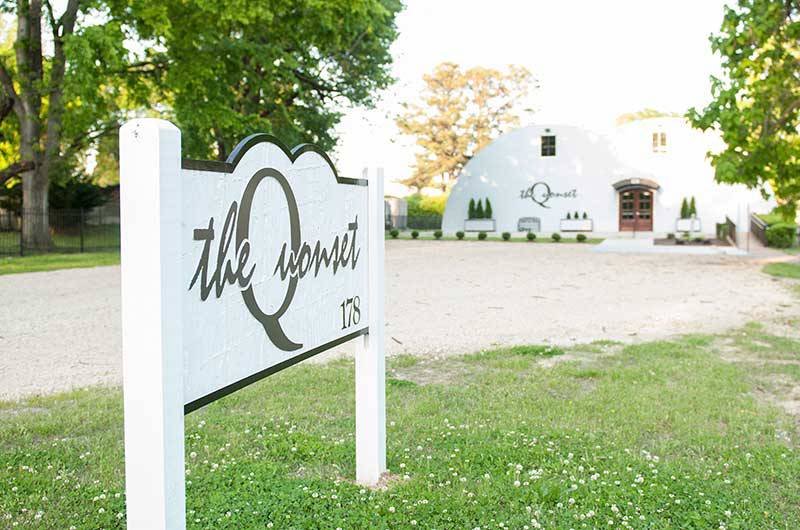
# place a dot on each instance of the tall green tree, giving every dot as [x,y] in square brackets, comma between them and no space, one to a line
[286,67]
[220,70]
[460,112]
[61,84]
[756,102]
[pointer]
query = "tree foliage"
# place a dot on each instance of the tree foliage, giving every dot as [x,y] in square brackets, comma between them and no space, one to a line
[286,67]
[756,102]
[62,84]
[76,69]
[461,111]
[644,114]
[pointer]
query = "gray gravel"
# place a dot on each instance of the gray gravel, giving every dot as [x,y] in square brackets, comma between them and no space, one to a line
[60,330]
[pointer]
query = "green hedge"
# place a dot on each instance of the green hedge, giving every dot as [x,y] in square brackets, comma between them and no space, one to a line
[781,232]
[781,235]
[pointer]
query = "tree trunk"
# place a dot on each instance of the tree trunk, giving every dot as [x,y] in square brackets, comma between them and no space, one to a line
[35,183]
[35,215]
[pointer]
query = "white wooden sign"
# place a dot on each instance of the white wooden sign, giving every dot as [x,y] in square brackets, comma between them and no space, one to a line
[232,271]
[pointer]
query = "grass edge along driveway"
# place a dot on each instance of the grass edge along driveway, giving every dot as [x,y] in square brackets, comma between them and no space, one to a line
[656,435]
[56,261]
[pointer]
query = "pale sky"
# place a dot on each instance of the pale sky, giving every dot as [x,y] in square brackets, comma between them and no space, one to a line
[593,59]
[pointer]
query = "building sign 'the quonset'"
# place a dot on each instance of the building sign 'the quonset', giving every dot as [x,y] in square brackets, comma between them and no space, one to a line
[232,271]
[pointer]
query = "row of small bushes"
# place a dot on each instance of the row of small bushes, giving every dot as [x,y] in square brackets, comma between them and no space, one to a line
[530,236]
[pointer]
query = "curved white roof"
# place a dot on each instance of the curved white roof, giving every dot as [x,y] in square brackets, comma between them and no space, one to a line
[584,161]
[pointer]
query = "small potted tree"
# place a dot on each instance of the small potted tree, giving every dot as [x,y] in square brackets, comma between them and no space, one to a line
[688,221]
[575,222]
[479,219]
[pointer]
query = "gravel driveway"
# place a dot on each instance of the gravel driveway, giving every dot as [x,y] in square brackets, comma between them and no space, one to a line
[60,330]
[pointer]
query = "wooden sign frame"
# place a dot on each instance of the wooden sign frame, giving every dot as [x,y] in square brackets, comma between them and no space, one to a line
[154,284]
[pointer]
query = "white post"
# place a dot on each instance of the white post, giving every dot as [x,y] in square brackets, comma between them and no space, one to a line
[150,158]
[370,361]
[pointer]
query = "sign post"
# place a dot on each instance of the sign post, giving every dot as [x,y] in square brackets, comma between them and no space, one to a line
[232,271]
[151,336]
[370,360]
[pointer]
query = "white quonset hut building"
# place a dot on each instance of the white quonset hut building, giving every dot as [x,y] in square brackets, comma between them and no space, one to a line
[634,180]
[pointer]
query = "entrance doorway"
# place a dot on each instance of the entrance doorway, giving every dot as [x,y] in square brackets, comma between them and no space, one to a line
[636,210]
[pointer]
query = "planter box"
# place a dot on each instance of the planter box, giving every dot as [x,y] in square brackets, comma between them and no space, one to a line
[576,225]
[479,225]
[529,224]
[688,225]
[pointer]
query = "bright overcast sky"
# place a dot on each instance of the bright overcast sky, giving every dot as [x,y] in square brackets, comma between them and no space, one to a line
[594,61]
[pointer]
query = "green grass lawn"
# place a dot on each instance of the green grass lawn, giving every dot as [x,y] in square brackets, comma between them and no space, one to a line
[656,435]
[783,270]
[49,262]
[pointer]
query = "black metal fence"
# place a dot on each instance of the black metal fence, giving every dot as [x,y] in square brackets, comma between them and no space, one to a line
[68,231]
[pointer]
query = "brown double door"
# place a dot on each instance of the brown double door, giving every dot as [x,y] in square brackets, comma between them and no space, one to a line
[636,210]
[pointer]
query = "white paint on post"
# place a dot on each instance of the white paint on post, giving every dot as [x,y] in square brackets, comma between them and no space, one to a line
[152,334]
[231,272]
[370,355]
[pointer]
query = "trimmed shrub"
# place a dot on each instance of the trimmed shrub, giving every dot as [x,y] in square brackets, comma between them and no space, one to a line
[569,216]
[471,209]
[437,234]
[479,214]
[556,237]
[506,236]
[460,234]
[488,213]
[530,236]
[670,236]
[394,232]
[581,238]
[684,209]
[414,234]
[781,235]
[481,235]
[692,207]
[585,215]
[577,216]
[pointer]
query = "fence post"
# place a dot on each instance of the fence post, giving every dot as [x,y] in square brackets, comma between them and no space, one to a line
[82,220]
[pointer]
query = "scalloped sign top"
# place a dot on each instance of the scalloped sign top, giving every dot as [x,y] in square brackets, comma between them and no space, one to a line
[274,262]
